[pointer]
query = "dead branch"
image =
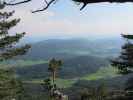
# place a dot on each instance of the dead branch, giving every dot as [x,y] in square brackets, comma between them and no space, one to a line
[12,4]
[85,2]
[46,7]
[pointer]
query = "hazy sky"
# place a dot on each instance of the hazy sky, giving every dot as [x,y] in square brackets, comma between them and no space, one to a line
[64,19]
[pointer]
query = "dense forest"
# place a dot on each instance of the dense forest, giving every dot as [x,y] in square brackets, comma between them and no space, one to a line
[63,69]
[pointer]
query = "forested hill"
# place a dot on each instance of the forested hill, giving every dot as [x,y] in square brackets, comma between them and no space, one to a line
[68,48]
[72,68]
[79,56]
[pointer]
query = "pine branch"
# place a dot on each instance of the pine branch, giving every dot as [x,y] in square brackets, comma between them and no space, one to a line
[124,63]
[9,86]
[127,36]
[14,52]
[6,14]
[10,40]
[8,24]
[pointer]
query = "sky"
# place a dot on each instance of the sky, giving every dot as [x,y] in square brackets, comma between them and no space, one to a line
[64,19]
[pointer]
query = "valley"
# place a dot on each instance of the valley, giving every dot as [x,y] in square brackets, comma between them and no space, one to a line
[85,63]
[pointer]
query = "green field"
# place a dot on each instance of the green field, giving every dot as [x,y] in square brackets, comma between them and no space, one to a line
[102,73]
[62,83]
[22,63]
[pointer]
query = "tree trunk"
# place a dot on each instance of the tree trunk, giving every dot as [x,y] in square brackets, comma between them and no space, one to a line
[54,75]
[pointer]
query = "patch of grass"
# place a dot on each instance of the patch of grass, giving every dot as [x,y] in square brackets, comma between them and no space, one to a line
[103,72]
[22,63]
[65,83]
[61,83]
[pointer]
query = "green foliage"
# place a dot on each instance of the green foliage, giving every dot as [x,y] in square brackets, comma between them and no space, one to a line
[26,63]
[127,36]
[97,93]
[47,84]
[10,87]
[102,73]
[72,68]
[51,88]
[124,62]
[8,41]
[54,65]
[21,63]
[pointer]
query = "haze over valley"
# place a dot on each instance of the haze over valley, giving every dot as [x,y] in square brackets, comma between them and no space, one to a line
[83,59]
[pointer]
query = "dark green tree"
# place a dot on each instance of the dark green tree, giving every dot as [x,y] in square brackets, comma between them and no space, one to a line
[124,62]
[8,47]
[10,87]
[49,85]
[54,66]
[127,36]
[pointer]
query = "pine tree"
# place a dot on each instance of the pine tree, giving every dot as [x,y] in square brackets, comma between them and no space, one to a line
[8,48]
[124,62]
[9,86]
[54,65]
[49,84]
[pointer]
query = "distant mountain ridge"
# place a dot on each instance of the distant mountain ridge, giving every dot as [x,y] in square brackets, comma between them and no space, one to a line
[80,56]
[68,48]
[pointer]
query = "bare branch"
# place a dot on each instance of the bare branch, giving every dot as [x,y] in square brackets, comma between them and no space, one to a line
[84,5]
[85,2]
[47,5]
[12,4]
[46,2]
[12,1]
